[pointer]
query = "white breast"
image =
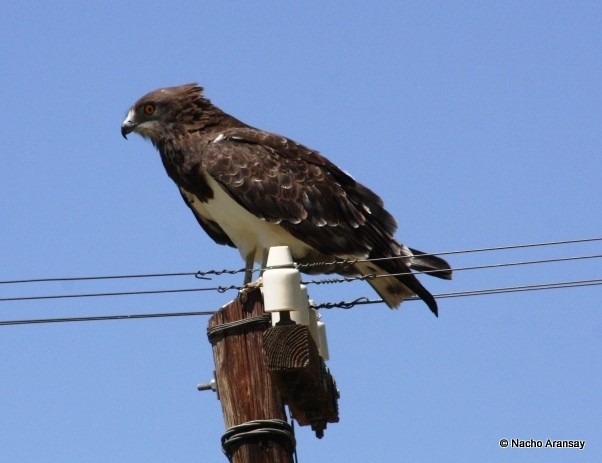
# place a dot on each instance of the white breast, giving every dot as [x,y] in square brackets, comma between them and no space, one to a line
[250,234]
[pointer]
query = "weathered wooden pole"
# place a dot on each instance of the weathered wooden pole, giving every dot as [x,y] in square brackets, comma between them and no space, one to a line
[254,415]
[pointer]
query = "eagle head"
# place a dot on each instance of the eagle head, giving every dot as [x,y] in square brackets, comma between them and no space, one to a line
[163,110]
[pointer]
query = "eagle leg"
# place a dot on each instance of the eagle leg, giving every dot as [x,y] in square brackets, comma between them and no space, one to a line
[248,284]
[264,260]
[249,262]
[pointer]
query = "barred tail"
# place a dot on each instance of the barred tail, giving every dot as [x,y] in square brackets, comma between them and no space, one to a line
[395,289]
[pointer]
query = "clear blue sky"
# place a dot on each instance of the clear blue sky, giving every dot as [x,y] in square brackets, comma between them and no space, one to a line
[479,123]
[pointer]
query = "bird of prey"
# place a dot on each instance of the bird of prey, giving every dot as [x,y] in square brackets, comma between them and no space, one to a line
[252,190]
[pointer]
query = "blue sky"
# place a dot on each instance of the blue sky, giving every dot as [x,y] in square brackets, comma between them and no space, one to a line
[477,122]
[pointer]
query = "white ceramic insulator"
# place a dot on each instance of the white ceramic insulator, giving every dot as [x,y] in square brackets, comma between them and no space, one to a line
[303,302]
[281,282]
[323,344]
[280,256]
[281,289]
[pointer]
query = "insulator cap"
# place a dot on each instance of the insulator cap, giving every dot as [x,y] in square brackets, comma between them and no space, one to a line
[281,282]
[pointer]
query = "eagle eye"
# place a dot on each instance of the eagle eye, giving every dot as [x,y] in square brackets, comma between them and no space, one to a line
[149,109]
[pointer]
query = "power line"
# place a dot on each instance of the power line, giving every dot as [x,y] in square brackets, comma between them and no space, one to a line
[518,246]
[105,318]
[219,289]
[476,292]
[223,289]
[199,274]
[456,269]
[326,305]
[204,274]
[444,253]
[519,289]
[102,277]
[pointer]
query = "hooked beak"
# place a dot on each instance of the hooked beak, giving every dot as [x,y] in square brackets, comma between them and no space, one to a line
[127,127]
[128,124]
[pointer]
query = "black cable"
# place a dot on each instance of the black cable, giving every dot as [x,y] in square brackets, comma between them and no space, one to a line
[219,289]
[102,277]
[217,332]
[104,318]
[455,269]
[323,281]
[444,253]
[475,292]
[325,305]
[203,274]
[258,430]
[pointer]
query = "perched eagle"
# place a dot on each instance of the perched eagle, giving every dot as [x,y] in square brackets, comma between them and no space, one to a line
[252,189]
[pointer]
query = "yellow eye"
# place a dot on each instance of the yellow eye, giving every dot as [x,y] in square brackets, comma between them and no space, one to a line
[149,109]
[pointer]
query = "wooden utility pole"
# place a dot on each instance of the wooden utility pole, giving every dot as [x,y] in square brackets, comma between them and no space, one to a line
[257,431]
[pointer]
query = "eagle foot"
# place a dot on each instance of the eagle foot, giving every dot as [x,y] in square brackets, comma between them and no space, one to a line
[243,294]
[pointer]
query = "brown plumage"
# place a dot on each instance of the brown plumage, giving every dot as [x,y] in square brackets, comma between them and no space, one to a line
[252,189]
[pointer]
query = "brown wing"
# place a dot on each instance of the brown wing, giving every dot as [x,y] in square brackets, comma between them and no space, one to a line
[286,183]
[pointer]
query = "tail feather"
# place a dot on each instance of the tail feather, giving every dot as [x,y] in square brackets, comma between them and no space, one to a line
[395,289]
[431,265]
[395,282]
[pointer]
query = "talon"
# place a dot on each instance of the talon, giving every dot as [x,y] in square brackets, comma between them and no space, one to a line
[243,294]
